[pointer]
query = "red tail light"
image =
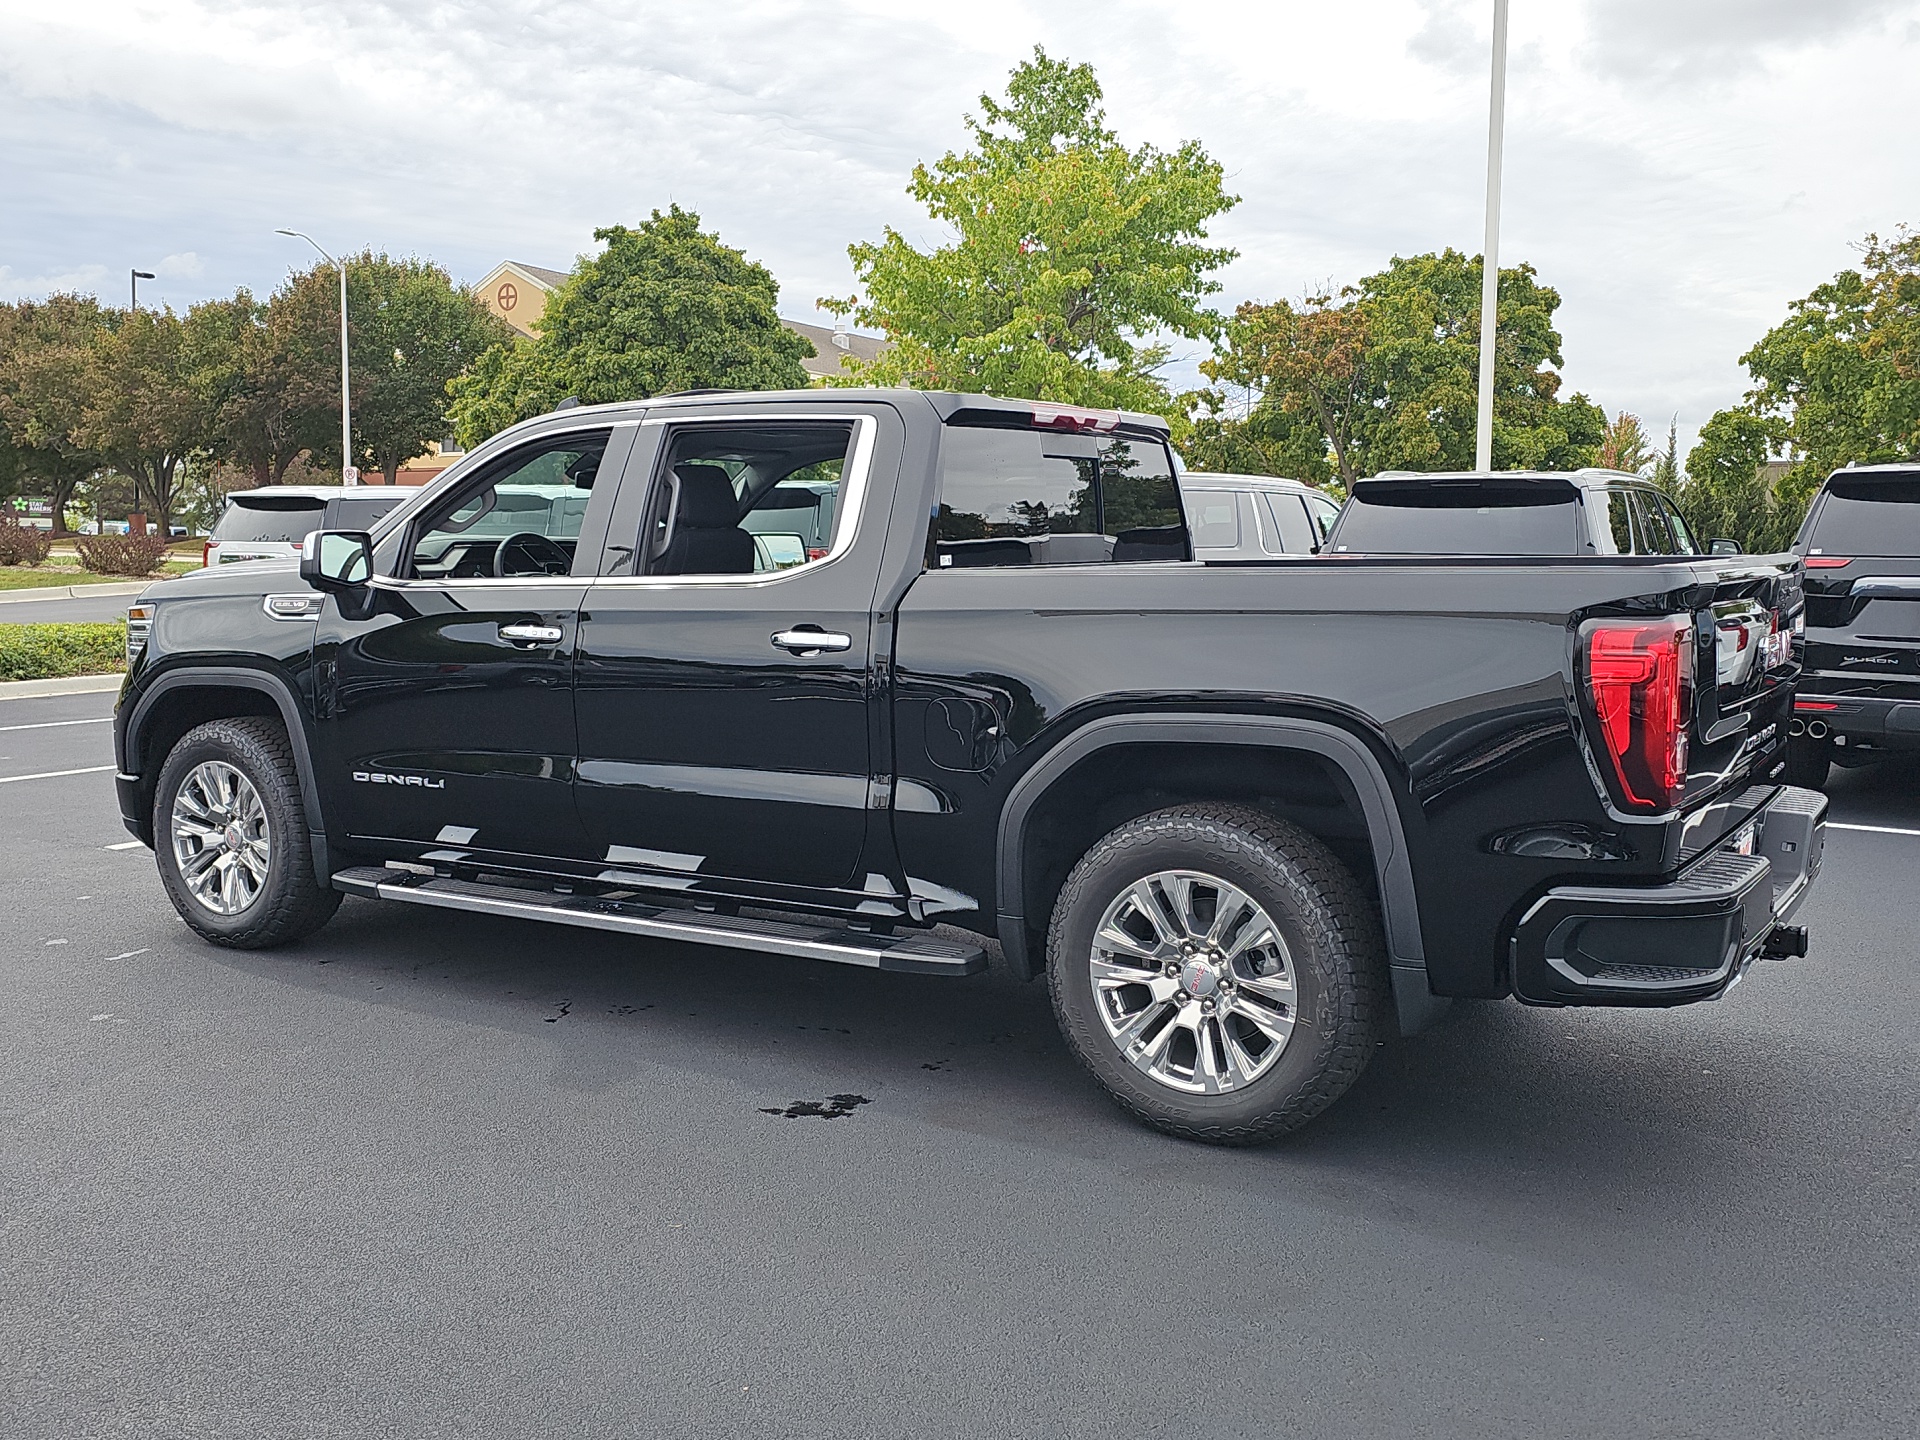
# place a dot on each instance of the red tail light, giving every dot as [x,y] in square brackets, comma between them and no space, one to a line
[206,553]
[1640,682]
[1048,416]
[1815,705]
[1828,562]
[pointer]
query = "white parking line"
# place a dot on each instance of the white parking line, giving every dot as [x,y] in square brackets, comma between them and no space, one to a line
[55,724]
[127,845]
[1872,829]
[54,774]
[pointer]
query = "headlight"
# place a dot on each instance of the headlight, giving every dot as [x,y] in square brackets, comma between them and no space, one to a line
[139,626]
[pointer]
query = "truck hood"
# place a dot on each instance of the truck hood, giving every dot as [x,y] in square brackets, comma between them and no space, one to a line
[248,577]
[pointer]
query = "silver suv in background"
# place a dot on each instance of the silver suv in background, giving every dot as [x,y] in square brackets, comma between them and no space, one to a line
[270,523]
[1253,517]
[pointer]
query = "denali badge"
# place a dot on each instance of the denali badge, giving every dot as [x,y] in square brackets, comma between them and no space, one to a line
[379,777]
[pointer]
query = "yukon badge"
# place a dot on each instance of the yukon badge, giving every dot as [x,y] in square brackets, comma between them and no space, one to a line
[381,777]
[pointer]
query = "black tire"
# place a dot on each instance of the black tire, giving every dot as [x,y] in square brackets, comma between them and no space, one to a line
[1808,762]
[1338,963]
[292,901]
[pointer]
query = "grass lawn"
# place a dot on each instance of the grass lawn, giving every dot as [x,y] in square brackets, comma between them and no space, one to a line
[34,577]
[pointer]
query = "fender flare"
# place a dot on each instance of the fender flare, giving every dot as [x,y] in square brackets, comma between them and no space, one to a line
[205,677]
[1418,1007]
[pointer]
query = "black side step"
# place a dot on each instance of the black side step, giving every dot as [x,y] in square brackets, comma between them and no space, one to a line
[909,954]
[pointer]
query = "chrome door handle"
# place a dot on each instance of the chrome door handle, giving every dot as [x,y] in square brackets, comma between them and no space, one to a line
[532,634]
[803,641]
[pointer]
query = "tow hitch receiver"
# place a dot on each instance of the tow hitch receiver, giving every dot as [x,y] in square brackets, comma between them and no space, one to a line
[1786,942]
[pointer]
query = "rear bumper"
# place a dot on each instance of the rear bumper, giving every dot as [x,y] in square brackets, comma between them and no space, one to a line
[1672,944]
[1867,721]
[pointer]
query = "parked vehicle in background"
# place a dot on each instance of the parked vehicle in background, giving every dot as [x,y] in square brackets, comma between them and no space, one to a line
[1859,697]
[1579,512]
[1245,817]
[270,523]
[1252,517]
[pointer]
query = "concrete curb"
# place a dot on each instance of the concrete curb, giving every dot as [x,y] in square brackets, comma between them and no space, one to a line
[73,592]
[65,685]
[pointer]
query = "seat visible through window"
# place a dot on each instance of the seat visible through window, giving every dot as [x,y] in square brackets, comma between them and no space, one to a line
[707,538]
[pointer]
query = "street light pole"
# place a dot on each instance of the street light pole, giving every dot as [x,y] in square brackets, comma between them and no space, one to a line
[348,474]
[1490,255]
[134,277]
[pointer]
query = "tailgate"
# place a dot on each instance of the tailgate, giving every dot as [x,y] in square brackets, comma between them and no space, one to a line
[1863,629]
[1745,668]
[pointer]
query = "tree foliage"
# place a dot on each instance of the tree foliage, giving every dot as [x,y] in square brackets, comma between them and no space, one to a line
[45,373]
[1385,374]
[1072,255]
[1624,445]
[1837,381]
[666,306]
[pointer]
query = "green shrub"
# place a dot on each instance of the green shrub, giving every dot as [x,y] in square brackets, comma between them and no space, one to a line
[22,544]
[122,554]
[44,652]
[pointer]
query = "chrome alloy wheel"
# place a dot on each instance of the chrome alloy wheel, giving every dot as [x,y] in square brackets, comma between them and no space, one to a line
[221,841]
[1193,982]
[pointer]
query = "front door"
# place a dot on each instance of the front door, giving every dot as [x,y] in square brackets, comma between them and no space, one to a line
[723,687]
[447,713]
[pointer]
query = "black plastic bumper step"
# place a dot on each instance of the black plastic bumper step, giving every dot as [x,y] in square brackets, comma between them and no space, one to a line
[909,954]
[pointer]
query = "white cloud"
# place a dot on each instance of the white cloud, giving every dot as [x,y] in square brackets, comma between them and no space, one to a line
[1678,169]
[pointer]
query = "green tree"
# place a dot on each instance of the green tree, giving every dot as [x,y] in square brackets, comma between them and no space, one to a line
[1837,381]
[665,307]
[142,410]
[1072,255]
[1385,375]
[46,377]
[410,331]
[240,356]
[1624,445]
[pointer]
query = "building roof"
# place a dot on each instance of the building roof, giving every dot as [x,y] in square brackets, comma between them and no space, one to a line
[829,352]
[552,279]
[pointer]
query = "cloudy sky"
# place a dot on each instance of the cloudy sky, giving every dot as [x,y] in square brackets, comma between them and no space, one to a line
[1678,169]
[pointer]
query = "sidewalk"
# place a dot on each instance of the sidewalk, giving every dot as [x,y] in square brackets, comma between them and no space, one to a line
[74,592]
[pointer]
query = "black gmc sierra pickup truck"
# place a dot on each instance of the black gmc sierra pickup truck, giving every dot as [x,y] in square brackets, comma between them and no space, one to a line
[813,673]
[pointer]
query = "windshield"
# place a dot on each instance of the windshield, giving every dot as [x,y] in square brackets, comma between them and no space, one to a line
[1868,517]
[284,519]
[1423,518]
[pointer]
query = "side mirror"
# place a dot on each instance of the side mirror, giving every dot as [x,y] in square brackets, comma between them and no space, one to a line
[1723,546]
[337,560]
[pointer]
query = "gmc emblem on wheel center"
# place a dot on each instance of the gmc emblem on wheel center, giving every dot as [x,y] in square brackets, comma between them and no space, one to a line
[379,777]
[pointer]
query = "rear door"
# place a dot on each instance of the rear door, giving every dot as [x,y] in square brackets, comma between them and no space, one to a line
[725,668]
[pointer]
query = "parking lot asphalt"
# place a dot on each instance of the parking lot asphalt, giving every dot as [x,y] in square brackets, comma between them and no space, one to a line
[435,1175]
[65,610]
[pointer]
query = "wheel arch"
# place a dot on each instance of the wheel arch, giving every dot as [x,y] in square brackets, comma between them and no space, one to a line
[1283,740]
[173,703]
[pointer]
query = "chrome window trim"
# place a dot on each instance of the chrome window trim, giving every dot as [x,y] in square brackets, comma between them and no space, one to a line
[851,504]
[853,493]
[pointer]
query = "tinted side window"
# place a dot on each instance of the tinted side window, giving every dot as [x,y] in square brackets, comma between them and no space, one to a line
[1651,521]
[746,498]
[1021,497]
[1617,508]
[520,518]
[1323,513]
[1216,519]
[1290,518]
[1682,532]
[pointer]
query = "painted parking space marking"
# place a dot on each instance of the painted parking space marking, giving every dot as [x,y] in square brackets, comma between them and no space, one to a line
[1871,829]
[126,845]
[56,724]
[54,774]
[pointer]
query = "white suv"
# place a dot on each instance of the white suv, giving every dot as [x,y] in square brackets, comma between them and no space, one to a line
[269,524]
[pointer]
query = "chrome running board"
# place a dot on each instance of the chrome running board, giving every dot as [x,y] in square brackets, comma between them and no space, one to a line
[910,954]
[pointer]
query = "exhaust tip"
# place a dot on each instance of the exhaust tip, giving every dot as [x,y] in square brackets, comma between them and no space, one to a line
[1817,729]
[1796,727]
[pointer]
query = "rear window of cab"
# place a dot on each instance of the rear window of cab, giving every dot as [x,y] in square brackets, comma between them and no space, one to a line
[270,519]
